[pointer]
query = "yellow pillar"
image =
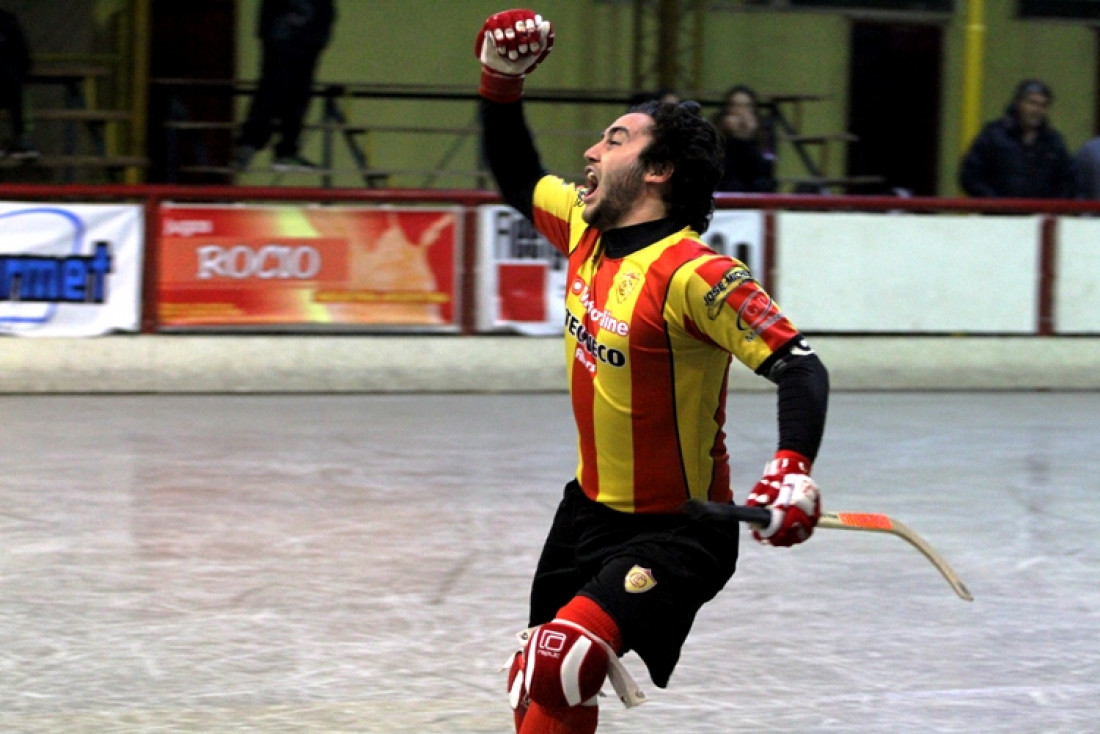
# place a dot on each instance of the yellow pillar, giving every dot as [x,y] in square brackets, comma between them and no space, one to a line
[972,73]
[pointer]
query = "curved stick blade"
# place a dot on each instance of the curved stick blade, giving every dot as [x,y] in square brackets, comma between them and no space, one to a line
[866,521]
[885,524]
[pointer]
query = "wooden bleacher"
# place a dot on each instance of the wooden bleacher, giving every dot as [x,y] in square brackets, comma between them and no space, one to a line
[89,134]
[785,113]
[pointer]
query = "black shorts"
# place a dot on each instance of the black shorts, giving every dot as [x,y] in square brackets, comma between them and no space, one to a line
[650,573]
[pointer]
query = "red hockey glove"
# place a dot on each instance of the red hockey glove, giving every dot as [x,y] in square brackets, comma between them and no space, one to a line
[510,45]
[787,490]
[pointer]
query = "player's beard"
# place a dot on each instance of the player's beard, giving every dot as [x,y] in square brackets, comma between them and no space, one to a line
[618,194]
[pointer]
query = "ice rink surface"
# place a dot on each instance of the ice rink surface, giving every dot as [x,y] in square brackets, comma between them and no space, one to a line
[359,563]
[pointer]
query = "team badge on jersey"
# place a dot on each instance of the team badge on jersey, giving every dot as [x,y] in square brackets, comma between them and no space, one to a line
[639,580]
[625,284]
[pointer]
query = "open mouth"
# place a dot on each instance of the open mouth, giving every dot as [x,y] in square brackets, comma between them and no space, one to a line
[591,183]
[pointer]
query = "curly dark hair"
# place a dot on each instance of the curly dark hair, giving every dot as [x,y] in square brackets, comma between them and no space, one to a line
[684,139]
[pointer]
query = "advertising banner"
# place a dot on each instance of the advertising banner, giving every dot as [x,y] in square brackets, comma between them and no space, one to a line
[311,267]
[69,270]
[521,281]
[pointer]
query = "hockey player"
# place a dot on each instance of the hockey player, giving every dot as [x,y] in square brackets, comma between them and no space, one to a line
[652,319]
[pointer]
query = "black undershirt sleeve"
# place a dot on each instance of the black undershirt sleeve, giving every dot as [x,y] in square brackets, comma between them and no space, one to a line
[510,153]
[802,397]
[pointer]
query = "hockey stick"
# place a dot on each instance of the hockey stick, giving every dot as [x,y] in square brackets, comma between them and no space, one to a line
[868,521]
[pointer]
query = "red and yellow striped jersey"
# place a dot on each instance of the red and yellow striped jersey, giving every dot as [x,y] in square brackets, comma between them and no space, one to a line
[648,339]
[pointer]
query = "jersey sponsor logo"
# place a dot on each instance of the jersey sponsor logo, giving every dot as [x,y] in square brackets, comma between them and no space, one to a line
[639,580]
[758,313]
[600,317]
[589,349]
[729,282]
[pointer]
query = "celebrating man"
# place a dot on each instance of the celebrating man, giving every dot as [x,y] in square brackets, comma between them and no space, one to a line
[653,317]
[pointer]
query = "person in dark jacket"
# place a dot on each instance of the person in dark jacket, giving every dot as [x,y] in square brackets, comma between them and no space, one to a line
[749,164]
[1087,163]
[1020,155]
[293,34]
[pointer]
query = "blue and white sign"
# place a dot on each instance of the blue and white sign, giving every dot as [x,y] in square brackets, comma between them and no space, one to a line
[70,270]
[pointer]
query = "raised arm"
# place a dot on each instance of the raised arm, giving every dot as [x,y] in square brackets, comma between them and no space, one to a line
[510,45]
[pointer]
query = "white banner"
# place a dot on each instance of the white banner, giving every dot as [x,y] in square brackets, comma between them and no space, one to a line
[521,282]
[70,270]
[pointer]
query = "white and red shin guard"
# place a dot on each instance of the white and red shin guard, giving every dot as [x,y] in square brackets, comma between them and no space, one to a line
[554,681]
[565,665]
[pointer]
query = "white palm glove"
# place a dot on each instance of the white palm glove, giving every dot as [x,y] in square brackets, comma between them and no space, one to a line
[510,45]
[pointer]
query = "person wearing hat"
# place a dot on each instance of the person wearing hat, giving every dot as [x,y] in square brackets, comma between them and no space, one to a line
[1020,155]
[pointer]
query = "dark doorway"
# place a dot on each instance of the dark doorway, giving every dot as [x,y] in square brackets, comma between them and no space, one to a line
[195,41]
[894,106]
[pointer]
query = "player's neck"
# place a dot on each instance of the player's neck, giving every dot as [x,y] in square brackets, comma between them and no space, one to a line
[649,208]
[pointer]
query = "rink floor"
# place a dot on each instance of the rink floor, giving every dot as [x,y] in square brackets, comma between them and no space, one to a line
[359,563]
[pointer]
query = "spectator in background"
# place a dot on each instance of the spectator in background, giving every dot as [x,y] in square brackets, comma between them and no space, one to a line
[1087,164]
[1020,155]
[293,33]
[15,64]
[750,152]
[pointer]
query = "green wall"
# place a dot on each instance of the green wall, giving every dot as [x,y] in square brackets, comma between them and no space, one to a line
[429,42]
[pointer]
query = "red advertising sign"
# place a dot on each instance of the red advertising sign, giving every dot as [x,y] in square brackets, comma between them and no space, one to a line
[294,266]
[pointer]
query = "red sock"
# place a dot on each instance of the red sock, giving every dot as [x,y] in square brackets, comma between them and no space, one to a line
[575,720]
[590,615]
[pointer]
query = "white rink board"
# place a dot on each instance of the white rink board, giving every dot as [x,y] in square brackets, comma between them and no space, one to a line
[911,273]
[1077,277]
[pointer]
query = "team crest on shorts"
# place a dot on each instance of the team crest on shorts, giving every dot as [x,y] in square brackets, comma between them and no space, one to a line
[639,580]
